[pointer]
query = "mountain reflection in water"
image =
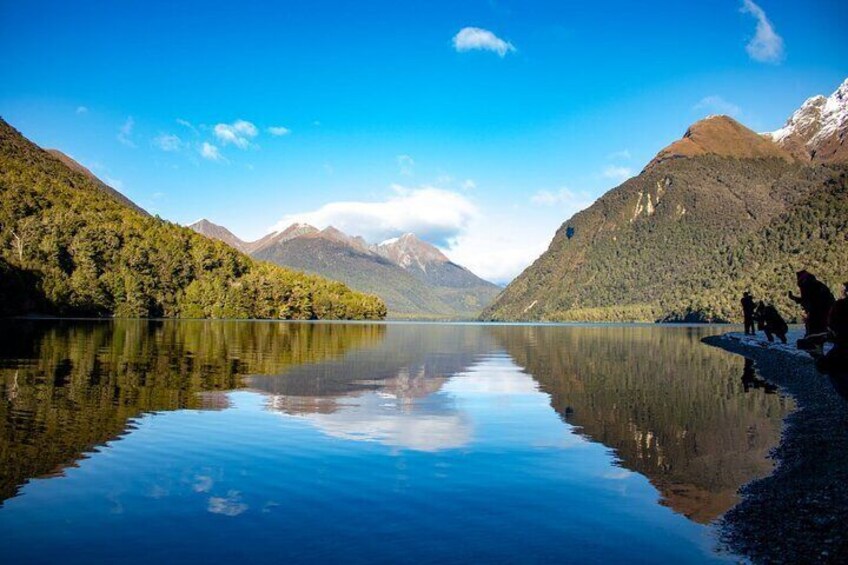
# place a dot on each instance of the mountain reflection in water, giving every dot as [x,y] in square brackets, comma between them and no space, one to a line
[680,413]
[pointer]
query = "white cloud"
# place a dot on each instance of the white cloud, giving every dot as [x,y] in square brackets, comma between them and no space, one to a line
[475,38]
[624,155]
[434,214]
[125,133]
[572,201]
[766,46]
[82,110]
[230,505]
[498,246]
[376,417]
[238,133]
[717,105]
[203,483]
[469,184]
[209,151]
[617,173]
[188,124]
[278,131]
[168,142]
[406,165]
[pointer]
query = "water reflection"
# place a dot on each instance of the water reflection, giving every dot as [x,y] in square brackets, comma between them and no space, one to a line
[391,393]
[67,387]
[671,408]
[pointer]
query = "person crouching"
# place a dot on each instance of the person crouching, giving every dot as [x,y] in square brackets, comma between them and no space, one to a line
[771,322]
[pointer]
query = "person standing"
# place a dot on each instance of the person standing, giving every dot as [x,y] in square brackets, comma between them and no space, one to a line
[816,299]
[748,312]
[836,360]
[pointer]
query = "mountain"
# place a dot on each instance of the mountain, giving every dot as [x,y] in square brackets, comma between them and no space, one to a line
[721,210]
[724,136]
[455,285]
[214,231]
[817,131]
[68,247]
[72,164]
[414,278]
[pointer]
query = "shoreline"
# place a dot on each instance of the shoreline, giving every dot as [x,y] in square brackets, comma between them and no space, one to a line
[799,513]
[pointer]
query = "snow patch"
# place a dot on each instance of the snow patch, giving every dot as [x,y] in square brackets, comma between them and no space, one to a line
[817,119]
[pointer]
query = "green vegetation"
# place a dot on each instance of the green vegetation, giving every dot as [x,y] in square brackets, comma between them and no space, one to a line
[683,239]
[811,235]
[84,381]
[672,411]
[72,249]
[406,295]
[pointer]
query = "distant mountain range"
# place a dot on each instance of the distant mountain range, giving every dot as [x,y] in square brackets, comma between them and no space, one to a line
[719,211]
[414,278]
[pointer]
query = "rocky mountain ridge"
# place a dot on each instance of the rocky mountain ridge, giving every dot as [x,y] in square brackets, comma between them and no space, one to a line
[817,131]
[414,278]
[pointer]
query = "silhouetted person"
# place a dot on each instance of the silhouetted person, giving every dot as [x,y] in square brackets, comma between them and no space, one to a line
[771,322]
[816,300]
[748,312]
[749,376]
[750,380]
[836,360]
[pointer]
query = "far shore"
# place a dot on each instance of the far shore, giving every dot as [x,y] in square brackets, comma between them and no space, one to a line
[387,320]
[799,513]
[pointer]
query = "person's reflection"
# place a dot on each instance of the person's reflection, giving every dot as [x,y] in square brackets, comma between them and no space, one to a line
[751,381]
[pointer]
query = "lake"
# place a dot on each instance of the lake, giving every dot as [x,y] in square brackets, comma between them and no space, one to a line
[163,441]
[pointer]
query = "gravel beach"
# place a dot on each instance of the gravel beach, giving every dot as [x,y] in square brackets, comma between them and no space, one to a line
[798,514]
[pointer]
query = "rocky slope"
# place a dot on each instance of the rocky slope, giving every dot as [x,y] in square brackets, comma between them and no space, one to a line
[214,231]
[414,278]
[718,211]
[817,131]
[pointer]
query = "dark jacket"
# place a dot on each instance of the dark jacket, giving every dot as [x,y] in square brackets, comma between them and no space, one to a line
[838,321]
[747,306]
[815,297]
[770,320]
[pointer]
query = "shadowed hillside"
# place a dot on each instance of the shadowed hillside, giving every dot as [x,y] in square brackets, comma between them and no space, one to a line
[86,253]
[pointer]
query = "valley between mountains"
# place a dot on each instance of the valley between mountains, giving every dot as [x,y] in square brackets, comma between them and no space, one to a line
[722,210]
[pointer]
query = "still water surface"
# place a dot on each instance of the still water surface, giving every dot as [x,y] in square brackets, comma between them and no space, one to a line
[140,441]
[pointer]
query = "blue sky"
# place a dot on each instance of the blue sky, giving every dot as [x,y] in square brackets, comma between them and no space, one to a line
[389,117]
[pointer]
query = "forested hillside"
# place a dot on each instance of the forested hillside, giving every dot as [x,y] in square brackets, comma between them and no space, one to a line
[685,237]
[812,235]
[405,295]
[71,248]
[411,276]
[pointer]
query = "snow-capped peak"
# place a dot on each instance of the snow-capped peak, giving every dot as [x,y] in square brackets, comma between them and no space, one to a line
[816,120]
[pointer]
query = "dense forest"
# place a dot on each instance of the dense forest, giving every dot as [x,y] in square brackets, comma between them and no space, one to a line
[681,241]
[69,248]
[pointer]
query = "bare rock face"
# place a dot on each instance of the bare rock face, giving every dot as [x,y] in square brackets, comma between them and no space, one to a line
[214,231]
[817,131]
[410,252]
